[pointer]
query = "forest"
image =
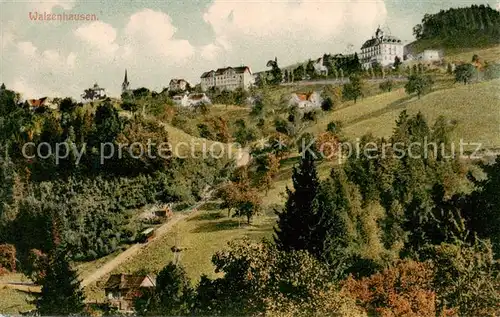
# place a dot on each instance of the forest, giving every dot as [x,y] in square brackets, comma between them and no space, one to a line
[474,26]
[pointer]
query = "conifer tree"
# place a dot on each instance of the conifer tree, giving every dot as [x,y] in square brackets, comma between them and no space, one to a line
[292,232]
[483,211]
[61,293]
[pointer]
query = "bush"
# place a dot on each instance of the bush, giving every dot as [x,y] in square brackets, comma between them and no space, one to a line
[327,104]
[402,290]
[334,127]
[418,84]
[387,85]
[464,73]
[310,116]
[129,106]
[8,257]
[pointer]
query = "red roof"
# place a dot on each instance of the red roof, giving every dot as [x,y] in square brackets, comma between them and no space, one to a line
[37,102]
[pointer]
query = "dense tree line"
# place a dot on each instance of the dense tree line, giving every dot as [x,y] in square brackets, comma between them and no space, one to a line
[461,27]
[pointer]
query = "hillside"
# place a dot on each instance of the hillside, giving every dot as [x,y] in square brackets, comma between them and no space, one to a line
[468,27]
[475,110]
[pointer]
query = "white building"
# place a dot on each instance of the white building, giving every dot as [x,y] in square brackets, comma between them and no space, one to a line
[306,101]
[320,68]
[191,100]
[228,78]
[381,49]
[429,56]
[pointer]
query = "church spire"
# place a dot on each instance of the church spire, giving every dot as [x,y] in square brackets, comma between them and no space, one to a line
[125,83]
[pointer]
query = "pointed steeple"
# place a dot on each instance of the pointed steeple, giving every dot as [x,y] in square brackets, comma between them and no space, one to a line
[125,83]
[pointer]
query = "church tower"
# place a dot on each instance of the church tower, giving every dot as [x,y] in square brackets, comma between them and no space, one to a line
[125,83]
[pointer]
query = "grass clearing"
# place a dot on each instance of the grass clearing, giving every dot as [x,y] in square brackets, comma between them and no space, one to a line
[13,301]
[491,54]
[475,110]
[202,234]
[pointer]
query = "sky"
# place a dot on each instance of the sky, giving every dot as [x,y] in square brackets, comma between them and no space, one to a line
[163,39]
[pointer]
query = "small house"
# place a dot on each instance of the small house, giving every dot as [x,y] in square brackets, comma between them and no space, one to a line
[306,101]
[320,68]
[197,99]
[122,289]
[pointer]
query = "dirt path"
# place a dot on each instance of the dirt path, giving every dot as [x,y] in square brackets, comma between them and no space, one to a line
[134,249]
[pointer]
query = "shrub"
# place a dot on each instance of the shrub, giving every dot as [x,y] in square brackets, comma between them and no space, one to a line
[418,84]
[334,127]
[309,116]
[404,289]
[129,106]
[464,73]
[387,85]
[8,257]
[327,104]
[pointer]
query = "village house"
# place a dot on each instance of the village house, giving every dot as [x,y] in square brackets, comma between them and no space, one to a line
[306,101]
[429,56]
[40,103]
[95,92]
[178,85]
[320,68]
[122,289]
[191,100]
[381,49]
[228,78]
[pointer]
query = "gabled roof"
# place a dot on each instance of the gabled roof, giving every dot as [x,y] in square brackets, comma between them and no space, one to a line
[378,40]
[206,74]
[220,71]
[129,281]
[37,102]
[304,97]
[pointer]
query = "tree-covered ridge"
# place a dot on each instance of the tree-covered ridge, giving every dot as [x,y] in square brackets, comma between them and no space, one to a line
[473,26]
[96,200]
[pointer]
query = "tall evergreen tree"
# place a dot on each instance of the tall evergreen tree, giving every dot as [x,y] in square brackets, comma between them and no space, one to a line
[61,293]
[292,232]
[483,210]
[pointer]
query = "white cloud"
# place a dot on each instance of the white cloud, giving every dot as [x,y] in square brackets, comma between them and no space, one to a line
[210,52]
[151,33]
[71,60]
[301,27]
[99,35]
[48,5]
[318,18]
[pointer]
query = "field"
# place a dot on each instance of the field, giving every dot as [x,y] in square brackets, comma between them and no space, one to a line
[474,109]
[14,301]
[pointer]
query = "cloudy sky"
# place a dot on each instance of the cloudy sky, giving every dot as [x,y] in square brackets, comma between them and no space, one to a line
[158,40]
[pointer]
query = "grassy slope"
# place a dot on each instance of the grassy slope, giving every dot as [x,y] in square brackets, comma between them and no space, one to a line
[491,54]
[475,109]
[12,301]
